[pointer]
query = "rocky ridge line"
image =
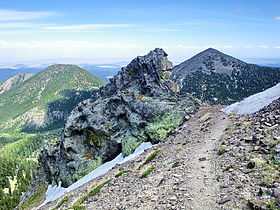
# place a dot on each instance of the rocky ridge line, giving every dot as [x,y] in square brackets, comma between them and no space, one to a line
[217,78]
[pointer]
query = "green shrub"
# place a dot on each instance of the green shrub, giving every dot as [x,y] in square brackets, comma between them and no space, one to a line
[35,199]
[147,171]
[61,203]
[150,157]
[120,173]
[95,190]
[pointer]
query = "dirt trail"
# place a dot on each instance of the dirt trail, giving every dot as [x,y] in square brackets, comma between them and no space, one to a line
[202,183]
[184,175]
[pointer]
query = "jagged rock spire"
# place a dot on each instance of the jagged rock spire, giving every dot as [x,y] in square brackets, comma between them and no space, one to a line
[144,74]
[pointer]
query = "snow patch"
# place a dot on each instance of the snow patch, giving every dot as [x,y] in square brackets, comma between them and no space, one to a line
[55,192]
[255,102]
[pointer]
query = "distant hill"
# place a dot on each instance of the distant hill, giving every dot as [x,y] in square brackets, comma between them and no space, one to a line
[29,104]
[7,72]
[215,77]
[33,113]
[102,71]
[14,81]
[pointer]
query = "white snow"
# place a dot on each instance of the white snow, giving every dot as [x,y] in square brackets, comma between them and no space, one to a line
[55,192]
[255,102]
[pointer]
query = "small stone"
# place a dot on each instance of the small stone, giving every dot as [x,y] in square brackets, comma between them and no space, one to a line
[276,193]
[202,159]
[251,165]
[223,200]
[173,198]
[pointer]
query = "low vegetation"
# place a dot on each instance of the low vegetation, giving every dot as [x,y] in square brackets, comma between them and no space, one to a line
[120,173]
[162,126]
[17,163]
[147,171]
[61,202]
[95,190]
[151,156]
[79,207]
[35,199]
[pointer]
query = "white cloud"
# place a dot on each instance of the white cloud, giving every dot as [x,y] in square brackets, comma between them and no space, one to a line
[15,15]
[85,27]
[18,25]
[61,50]
[5,26]
[277,18]
[263,46]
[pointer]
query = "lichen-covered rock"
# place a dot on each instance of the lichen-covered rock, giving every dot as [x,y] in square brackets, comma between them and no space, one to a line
[139,104]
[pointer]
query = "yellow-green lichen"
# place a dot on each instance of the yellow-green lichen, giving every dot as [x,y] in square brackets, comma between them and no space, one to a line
[129,144]
[95,139]
[163,125]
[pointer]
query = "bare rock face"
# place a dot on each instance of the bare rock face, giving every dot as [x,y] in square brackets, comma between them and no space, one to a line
[139,104]
[14,81]
[145,74]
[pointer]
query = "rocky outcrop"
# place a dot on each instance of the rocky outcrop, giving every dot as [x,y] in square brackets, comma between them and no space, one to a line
[14,82]
[221,79]
[139,104]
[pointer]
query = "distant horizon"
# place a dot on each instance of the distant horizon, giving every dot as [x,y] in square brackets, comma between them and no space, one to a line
[124,61]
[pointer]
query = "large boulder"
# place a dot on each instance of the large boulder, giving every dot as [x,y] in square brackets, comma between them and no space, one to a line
[139,104]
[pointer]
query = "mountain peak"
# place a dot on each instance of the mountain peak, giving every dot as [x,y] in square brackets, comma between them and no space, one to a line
[62,67]
[216,77]
[211,50]
[209,60]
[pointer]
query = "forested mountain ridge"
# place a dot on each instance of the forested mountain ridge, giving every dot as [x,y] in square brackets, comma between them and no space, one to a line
[28,104]
[33,113]
[215,77]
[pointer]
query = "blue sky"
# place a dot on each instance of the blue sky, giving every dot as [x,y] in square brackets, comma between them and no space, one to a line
[111,31]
